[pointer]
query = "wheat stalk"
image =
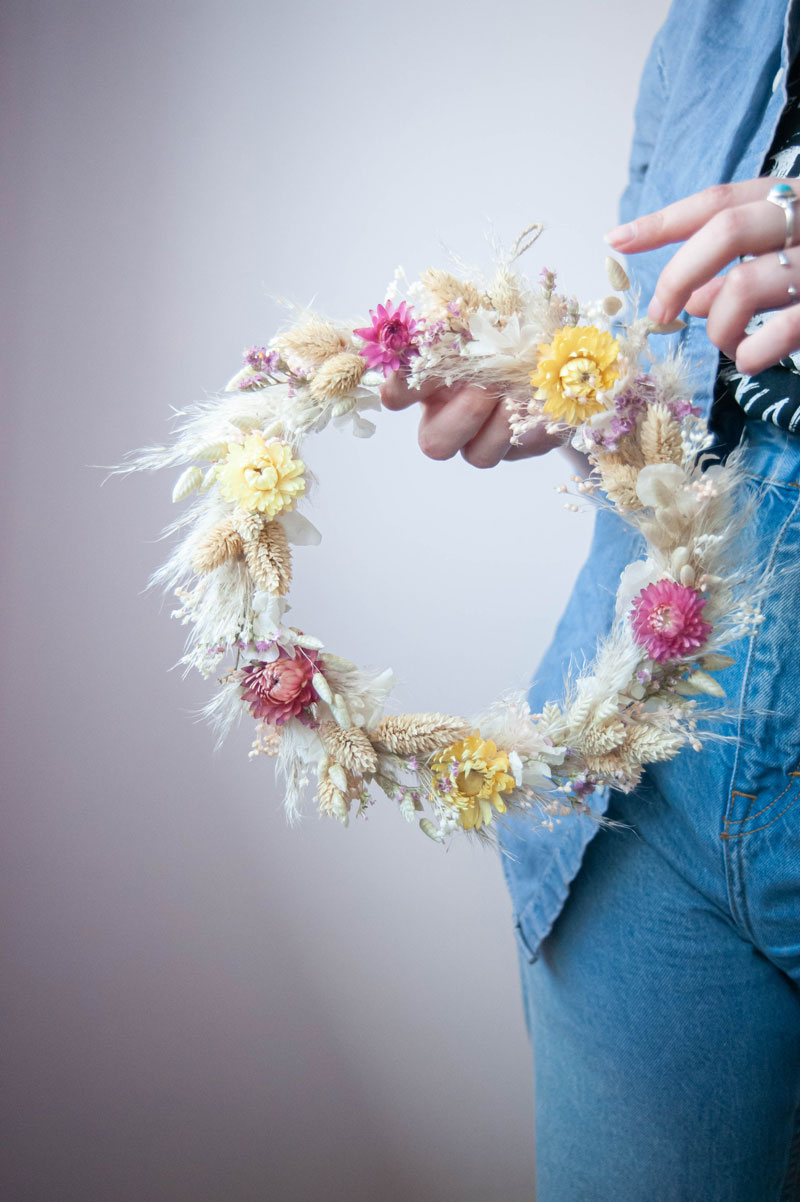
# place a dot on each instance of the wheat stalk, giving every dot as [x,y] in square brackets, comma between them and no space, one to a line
[338,376]
[418,734]
[269,559]
[351,748]
[220,544]
[660,436]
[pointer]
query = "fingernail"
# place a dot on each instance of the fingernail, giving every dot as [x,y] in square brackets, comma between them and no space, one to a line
[621,234]
[655,310]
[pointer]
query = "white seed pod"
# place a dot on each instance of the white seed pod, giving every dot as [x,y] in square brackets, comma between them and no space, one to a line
[208,479]
[187,482]
[212,451]
[243,421]
[617,275]
[321,687]
[665,327]
[407,809]
[431,830]
[680,556]
[274,429]
[241,377]
[706,684]
[612,305]
[339,777]
[309,641]
[340,711]
[715,661]
[339,806]
[343,407]
[687,575]
[338,663]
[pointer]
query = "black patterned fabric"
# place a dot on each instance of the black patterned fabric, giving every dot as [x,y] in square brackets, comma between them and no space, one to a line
[774,394]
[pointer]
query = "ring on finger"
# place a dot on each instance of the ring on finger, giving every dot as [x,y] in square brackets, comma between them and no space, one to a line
[783,196]
[783,259]
[793,294]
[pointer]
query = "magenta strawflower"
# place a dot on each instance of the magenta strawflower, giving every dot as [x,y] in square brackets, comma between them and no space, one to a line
[391,340]
[667,620]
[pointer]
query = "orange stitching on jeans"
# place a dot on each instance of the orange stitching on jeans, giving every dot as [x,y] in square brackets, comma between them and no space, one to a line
[743,834]
[773,480]
[748,816]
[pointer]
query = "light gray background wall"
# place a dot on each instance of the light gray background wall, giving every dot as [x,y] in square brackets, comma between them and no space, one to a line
[201,1004]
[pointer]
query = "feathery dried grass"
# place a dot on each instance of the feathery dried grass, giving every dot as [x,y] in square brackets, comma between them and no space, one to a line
[269,559]
[505,294]
[338,376]
[311,342]
[419,734]
[220,544]
[618,481]
[332,802]
[351,748]
[660,436]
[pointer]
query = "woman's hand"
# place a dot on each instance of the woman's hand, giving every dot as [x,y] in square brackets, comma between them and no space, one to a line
[719,225]
[464,418]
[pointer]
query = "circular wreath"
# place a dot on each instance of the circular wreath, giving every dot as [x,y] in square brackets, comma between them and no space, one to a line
[580,370]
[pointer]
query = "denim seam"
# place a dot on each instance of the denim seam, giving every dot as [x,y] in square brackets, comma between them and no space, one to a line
[734,862]
[790,1191]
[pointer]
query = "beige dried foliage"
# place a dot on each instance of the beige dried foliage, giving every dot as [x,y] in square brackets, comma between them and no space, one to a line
[445,288]
[221,544]
[505,294]
[332,802]
[248,524]
[660,436]
[312,342]
[269,559]
[612,764]
[618,481]
[338,376]
[351,748]
[650,743]
[605,737]
[617,275]
[419,734]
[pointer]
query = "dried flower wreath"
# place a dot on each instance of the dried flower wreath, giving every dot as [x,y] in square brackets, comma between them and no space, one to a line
[576,368]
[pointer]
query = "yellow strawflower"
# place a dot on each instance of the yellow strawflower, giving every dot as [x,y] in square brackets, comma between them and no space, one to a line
[572,369]
[473,775]
[261,476]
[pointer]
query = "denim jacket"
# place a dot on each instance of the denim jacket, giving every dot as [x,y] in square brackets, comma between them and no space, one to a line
[711,95]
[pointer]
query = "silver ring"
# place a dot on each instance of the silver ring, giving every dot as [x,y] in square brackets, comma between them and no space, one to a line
[783,196]
[793,294]
[783,259]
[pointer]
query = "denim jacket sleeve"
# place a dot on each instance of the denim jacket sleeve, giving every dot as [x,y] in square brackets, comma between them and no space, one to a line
[711,94]
[648,115]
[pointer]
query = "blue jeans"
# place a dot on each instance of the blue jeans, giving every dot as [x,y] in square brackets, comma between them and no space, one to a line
[663,999]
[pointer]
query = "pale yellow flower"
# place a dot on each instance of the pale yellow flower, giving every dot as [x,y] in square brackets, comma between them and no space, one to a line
[260,475]
[572,369]
[472,776]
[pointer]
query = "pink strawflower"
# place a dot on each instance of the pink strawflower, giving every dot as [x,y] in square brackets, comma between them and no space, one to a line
[667,620]
[279,690]
[391,339]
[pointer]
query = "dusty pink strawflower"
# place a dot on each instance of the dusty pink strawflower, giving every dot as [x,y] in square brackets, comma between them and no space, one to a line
[391,340]
[667,620]
[279,690]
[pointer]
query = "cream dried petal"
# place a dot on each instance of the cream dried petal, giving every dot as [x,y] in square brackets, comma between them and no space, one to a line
[186,483]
